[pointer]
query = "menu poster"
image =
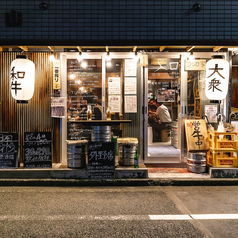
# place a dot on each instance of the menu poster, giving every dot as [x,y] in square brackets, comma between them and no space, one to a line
[166,95]
[114,102]
[114,85]
[130,85]
[211,113]
[130,104]
[58,107]
[130,67]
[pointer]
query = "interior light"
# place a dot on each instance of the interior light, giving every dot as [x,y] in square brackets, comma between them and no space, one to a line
[80,57]
[79,82]
[72,76]
[84,64]
[109,63]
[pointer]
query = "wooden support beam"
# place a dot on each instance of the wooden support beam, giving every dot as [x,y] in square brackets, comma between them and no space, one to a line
[51,48]
[161,48]
[216,48]
[79,48]
[189,48]
[134,48]
[23,48]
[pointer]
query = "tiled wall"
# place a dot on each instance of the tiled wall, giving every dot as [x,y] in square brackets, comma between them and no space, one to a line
[124,21]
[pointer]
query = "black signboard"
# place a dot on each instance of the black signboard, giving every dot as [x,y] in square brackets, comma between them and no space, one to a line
[37,150]
[8,150]
[101,160]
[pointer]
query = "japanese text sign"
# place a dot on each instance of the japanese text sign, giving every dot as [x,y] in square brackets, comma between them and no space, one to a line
[217,79]
[196,135]
[22,79]
[56,74]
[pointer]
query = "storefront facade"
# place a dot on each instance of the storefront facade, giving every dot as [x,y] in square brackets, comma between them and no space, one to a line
[163,71]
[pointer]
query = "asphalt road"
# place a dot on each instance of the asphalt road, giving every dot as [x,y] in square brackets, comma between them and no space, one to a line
[119,212]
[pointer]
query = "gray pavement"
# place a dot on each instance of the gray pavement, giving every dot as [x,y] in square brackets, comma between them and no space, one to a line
[117,211]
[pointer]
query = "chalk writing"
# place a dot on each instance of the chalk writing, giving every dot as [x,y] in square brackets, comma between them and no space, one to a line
[8,150]
[37,150]
[101,160]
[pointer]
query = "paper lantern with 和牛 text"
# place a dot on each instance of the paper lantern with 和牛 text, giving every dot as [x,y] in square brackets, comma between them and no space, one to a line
[22,78]
[217,79]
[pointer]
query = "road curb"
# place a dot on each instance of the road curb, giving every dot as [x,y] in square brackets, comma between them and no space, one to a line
[118,182]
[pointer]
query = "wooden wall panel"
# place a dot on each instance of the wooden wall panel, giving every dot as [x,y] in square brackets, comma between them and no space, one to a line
[35,115]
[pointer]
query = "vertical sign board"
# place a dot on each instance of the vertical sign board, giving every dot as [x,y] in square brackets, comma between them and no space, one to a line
[101,160]
[37,150]
[8,150]
[196,135]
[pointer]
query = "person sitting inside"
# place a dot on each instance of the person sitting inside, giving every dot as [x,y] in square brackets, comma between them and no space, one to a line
[152,114]
[163,121]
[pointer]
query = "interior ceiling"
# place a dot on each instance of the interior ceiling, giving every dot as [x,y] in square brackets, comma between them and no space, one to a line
[119,48]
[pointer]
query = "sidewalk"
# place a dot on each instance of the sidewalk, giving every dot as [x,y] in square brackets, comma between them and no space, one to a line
[60,175]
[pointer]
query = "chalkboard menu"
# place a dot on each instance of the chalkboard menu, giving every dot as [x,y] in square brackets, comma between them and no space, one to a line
[84,87]
[8,150]
[101,160]
[37,150]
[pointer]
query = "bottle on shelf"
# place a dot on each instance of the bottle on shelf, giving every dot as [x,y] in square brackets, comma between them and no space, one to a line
[89,113]
[136,160]
[108,113]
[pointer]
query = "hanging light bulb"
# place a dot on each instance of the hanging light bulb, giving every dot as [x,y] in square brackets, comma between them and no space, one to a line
[191,57]
[108,57]
[80,57]
[52,57]
[136,56]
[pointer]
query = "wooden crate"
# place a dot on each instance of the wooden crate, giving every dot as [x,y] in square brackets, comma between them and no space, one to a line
[223,149]
[223,140]
[222,159]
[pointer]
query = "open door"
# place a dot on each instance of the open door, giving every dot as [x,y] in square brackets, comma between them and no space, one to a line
[162,119]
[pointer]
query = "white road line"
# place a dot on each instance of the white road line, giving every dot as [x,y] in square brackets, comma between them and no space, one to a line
[170,217]
[120,217]
[214,216]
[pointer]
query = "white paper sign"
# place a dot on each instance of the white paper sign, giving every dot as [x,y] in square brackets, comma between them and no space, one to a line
[211,113]
[217,79]
[130,67]
[114,85]
[130,104]
[130,85]
[58,107]
[114,102]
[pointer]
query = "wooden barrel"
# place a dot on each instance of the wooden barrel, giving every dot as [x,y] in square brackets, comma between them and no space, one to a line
[196,162]
[101,133]
[165,135]
[76,153]
[126,151]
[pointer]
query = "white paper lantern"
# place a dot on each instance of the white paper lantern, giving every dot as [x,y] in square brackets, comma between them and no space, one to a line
[217,79]
[22,78]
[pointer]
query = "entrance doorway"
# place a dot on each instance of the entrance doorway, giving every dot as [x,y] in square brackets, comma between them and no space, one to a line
[162,83]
